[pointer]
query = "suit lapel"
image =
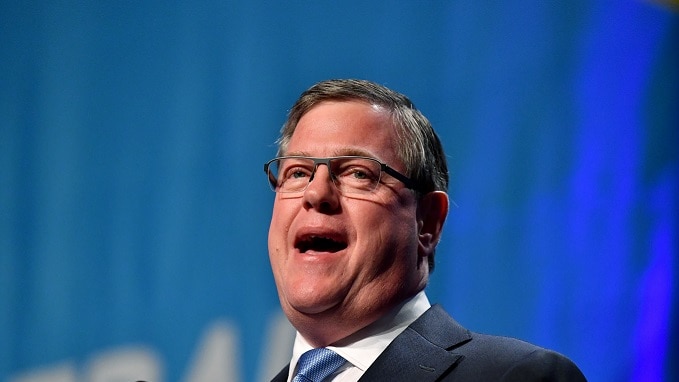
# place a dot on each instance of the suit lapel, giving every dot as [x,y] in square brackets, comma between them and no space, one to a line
[422,352]
[282,376]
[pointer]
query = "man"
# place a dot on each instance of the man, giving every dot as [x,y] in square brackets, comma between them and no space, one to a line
[361,182]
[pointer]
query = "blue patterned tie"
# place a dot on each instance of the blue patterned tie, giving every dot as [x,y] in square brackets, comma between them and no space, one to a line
[317,364]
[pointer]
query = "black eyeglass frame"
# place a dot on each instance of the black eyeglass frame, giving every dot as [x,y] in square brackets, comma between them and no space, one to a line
[409,183]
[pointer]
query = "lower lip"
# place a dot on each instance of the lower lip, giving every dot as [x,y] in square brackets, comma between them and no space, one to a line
[316,254]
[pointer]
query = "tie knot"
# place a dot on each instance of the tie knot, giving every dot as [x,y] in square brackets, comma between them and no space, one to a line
[317,364]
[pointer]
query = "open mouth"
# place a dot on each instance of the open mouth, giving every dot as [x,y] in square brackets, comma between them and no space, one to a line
[318,243]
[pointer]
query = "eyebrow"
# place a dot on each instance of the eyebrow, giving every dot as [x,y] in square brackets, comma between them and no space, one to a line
[339,153]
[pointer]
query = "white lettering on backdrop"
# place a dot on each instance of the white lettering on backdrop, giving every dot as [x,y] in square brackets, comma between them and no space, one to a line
[216,359]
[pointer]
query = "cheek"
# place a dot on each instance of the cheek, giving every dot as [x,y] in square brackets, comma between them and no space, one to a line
[278,231]
[384,233]
[282,215]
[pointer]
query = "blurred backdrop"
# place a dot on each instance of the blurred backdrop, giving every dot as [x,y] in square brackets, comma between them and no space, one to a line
[134,210]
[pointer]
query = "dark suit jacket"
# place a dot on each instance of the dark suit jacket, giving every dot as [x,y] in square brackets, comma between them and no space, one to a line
[436,348]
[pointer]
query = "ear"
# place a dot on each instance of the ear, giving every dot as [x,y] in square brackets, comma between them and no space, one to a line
[432,210]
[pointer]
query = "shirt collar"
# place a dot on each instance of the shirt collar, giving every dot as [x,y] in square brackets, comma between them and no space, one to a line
[362,348]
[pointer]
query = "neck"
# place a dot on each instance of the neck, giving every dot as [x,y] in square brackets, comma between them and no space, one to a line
[335,327]
[329,327]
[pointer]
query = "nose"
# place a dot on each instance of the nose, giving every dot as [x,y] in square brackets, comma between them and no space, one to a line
[321,193]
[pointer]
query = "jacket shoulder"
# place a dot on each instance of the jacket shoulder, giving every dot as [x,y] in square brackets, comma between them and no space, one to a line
[487,357]
[490,357]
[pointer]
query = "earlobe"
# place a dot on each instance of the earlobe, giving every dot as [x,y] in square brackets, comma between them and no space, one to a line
[426,240]
[432,211]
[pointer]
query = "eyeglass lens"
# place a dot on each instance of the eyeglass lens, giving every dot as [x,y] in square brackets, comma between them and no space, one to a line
[349,174]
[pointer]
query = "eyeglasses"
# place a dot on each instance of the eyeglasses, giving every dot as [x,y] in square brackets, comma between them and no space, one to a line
[350,174]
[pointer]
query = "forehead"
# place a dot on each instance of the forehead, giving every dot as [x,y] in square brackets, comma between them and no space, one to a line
[345,128]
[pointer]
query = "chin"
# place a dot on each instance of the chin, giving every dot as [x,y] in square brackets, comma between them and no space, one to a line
[311,306]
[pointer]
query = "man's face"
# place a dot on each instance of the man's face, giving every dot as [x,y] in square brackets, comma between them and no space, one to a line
[351,256]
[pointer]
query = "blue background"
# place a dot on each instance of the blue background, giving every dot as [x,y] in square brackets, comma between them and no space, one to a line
[133,207]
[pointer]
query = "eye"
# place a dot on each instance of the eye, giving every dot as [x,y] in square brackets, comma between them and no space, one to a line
[296,172]
[358,170]
[359,173]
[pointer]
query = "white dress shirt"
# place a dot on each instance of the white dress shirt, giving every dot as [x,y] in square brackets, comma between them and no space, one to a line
[362,348]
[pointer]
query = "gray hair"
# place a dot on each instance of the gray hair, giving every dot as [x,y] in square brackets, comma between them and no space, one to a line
[419,147]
